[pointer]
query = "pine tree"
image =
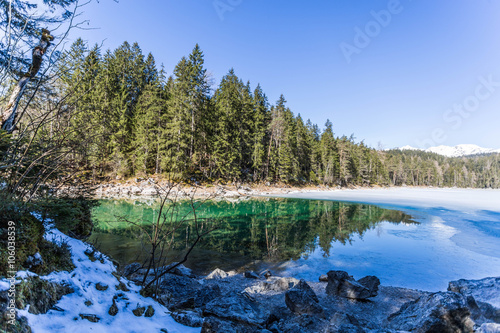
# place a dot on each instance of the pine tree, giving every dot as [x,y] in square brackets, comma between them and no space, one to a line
[260,123]
[329,155]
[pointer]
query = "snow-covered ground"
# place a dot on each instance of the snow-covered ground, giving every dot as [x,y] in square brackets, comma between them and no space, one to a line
[83,280]
[456,151]
[459,237]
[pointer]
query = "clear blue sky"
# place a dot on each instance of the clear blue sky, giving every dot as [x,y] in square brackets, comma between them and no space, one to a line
[405,81]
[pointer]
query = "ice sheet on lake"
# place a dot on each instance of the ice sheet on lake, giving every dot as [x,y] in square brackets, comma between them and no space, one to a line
[459,237]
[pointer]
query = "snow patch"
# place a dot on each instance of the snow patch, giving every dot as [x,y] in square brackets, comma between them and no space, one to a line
[83,280]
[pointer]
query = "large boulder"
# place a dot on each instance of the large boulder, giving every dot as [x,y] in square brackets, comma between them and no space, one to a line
[206,294]
[219,274]
[444,312]
[484,296]
[301,299]
[484,290]
[342,284]
[177,291]
[236,309]
[273,284]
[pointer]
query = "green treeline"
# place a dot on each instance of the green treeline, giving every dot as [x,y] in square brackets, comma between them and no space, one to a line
[130,119]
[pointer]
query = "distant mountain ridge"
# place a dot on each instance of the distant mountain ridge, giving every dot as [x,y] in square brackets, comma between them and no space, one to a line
[456,151]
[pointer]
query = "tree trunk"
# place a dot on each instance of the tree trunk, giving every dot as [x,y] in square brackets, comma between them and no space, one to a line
[9,113]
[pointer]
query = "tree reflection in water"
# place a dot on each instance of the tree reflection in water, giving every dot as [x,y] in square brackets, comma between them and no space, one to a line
[273,230]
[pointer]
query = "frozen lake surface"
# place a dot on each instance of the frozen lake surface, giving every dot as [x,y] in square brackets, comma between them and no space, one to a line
[458,238]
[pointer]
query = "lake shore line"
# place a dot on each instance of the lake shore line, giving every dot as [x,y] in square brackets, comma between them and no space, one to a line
[417,196]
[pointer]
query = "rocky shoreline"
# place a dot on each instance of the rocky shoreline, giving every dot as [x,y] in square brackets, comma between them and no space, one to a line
[151,188]
[250,302]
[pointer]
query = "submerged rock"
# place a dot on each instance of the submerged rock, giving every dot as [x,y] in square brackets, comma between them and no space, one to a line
[301,299]
[438,312]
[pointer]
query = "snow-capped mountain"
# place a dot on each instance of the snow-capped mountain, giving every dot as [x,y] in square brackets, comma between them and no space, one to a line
[459,150]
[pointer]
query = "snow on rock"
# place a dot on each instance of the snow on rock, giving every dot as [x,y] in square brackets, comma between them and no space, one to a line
[88,309]
[484,290]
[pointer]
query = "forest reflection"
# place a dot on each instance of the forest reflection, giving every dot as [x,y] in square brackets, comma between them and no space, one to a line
[272,230]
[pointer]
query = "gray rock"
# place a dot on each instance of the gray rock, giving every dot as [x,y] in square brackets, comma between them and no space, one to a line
[489,328]
[149,191]
[34,260]
[135,190]
[267,274]
[342,284]
[188,318]
[251,275]
[232,194]
[335,279]
[113,309]
[217,325]
[90,317]
[131,269]
[303,324]
[274,284]
[438,312]
[101,287]
[485,290]
[344,323]
[237,309]
[217,274]
[301,299]
[179,270]
[371,283]
[206,294]
[139,311]
[150,312]
[323,278]
[489,312]
[177,291]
